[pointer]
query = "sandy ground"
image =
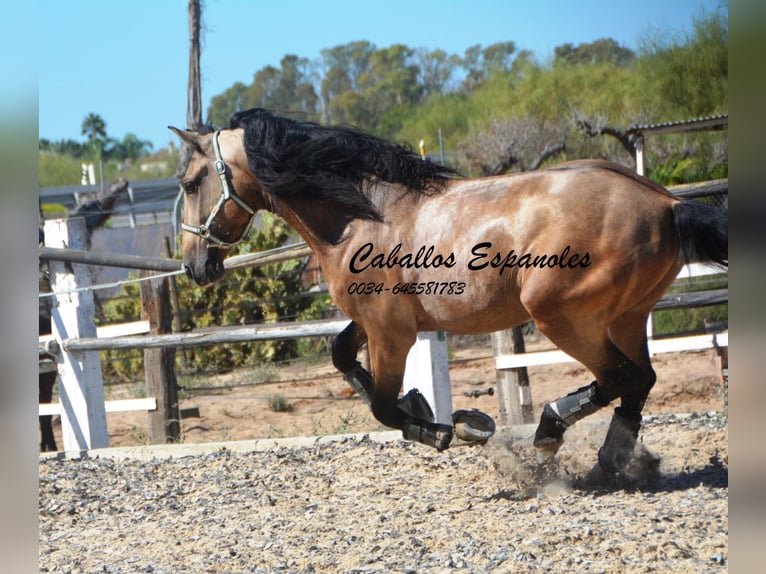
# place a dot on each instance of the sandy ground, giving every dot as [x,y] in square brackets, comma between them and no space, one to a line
[361,506]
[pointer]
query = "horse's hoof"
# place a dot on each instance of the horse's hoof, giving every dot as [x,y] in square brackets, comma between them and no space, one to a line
[613,462]
[547,448]
[416,405]
[620,441]
[550,431]
[473,425]
[543,456]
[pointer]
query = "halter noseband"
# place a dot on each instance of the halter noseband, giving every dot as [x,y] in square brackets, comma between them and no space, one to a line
[227,193]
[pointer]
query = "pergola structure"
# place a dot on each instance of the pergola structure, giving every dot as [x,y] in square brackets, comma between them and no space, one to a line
[639,131]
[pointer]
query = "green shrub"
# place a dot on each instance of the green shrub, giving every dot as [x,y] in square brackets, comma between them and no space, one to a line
[278,404]
[54,211]
[678,321]
[265,294]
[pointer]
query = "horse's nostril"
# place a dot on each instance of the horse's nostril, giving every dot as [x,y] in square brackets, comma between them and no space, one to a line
[188,270]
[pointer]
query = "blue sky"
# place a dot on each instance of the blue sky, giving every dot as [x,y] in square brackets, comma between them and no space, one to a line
[128,61]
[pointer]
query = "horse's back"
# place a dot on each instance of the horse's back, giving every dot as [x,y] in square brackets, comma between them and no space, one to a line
[602,166]
[582,176]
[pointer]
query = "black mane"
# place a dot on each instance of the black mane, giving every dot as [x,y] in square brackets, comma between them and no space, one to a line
[303,159]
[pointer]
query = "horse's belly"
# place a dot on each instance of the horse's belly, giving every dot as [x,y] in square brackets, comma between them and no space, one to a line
[471,311]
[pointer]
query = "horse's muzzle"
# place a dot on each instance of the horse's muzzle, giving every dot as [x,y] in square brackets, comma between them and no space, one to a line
[207,270]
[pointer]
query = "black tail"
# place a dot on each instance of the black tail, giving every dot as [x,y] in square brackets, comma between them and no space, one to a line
[703,231]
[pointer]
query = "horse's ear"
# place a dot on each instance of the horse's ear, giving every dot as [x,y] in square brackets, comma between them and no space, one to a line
[187,136]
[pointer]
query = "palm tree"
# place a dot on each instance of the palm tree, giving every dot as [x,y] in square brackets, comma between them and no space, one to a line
[94,127]
[131,147]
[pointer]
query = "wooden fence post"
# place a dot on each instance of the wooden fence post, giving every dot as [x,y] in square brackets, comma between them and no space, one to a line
[513,392]
[80,386]
[159,364]
[175,306]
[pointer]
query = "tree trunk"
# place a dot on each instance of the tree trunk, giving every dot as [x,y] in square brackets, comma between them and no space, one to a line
[194,90]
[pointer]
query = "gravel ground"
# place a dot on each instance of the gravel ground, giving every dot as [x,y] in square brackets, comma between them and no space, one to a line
[362,506]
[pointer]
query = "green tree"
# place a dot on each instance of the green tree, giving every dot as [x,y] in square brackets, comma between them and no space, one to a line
[605,50]
[69,147]
[288,88]
[481,63]
[343,66]
[388,87]
[94,128]
[131,147]
[224,105]
[688,75]
[436,71]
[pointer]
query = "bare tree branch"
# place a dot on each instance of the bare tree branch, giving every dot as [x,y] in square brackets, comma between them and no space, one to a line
[500,167]
[548,153]
[513,143]
[627,141]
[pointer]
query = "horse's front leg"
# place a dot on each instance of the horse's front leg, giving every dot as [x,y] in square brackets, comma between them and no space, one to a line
[344,350]
[388,358]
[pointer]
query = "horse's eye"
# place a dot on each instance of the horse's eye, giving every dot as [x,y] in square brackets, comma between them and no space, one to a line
[190,186]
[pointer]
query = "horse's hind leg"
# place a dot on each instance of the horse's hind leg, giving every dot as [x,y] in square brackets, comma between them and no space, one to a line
[629,333]
[617,375]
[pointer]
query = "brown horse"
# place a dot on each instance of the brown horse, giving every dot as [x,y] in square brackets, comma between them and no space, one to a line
[585,249]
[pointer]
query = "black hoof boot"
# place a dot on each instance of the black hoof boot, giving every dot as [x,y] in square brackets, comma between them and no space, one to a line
[415,404]
[428,433]
[620,441]
[549,435]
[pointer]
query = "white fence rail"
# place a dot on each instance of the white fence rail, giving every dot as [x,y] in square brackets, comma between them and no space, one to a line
[656,346]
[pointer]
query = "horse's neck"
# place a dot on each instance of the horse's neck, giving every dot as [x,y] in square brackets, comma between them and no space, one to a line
[320,225]
[326,226]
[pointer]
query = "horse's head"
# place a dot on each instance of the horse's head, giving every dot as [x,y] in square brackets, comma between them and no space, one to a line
[221,197]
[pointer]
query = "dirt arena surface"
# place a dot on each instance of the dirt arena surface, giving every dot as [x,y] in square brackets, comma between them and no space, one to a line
[364,506]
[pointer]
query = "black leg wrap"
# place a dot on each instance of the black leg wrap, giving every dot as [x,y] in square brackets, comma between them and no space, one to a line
[432,434]
[559,415]
[361,381]
[578,404]
[620,440]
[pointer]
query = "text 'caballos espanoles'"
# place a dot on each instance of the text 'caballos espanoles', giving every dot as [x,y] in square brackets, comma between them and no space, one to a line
[483,256]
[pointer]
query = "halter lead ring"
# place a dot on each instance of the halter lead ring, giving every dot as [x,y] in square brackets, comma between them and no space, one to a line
[227,193]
